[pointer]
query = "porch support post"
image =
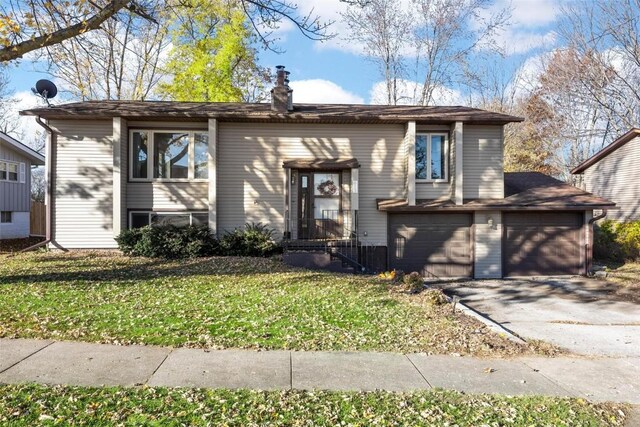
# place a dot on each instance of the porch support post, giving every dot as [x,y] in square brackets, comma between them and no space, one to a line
[354,199]
[119,144]
[213,179]
[410,141]
[457,132]
[287,204]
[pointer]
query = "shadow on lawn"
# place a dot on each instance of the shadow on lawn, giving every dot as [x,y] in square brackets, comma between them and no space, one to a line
[88,268]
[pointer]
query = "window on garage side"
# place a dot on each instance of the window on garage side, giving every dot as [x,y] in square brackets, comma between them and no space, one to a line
[431,157]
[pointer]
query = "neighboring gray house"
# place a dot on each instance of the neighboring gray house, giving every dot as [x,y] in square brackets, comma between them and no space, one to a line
[614,173]
[380,187]
[16,160]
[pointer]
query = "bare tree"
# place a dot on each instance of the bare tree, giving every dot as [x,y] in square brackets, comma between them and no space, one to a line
[121,60]
[8,124]
[430,42]
[381,27]
[603,38]
[448,33]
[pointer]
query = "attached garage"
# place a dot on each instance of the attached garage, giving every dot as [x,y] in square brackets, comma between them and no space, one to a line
[543,243]
[436,245]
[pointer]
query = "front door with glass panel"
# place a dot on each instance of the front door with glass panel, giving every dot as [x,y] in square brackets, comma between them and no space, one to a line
[319,209]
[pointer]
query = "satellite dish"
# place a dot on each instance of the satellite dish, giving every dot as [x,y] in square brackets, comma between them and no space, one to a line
[45,89]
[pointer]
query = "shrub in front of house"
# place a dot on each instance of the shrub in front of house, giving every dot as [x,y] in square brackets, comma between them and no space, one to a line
[616,241]
[169,242]
[193,241]
[252,240]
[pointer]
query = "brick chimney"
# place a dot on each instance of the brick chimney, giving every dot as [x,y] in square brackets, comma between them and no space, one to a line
[281,94]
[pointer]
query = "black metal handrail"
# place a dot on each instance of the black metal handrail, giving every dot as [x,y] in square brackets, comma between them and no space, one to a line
[334,233]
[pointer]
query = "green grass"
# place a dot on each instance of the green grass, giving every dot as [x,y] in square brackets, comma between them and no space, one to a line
[30,405]
[224,303]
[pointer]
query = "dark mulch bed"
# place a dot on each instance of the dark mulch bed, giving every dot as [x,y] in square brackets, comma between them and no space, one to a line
[15,245]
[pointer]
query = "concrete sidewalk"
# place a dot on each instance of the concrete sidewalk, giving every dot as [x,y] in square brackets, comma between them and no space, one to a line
[48,362]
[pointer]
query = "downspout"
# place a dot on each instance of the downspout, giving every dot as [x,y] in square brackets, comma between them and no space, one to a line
[48,188]
[589,246]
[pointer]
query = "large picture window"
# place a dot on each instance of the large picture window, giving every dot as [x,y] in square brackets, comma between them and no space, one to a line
[168,155]
[431,157]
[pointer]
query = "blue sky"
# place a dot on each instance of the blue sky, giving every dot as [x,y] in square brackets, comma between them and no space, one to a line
[335,72]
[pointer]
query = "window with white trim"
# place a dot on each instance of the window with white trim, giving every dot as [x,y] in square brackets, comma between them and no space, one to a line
[6,217]
[168,155]
[10,171]
[179,219]
[432,154]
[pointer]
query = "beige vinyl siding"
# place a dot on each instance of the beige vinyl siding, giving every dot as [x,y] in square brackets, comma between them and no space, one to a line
[488,245]
[251,178]
[83,184]
[617,177]
[482,162]
[168,195]
[433,190]
[15,196]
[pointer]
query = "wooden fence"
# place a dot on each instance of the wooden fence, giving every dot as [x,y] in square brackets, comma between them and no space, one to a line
[38,219]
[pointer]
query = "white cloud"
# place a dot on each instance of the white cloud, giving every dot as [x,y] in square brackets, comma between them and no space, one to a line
[534,13]
[529,25]
[515,42]
[322,92]
[409,91]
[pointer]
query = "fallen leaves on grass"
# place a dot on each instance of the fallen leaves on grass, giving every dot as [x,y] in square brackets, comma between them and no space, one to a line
[29,405]
[250,303]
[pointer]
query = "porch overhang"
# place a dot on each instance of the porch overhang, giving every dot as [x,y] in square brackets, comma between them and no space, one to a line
[321,164]
[524,191]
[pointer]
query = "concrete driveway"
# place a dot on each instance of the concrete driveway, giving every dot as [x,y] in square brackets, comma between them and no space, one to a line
[579,314]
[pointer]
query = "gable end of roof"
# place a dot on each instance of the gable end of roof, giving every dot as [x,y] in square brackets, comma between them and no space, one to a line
[35,157]
[630,135]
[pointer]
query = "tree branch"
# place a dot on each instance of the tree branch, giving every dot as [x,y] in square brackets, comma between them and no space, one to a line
[18,50]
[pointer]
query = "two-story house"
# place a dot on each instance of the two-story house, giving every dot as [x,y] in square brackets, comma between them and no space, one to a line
[423,186]
[16,160]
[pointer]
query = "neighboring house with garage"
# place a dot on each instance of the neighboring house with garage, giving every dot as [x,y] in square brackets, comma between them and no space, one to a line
[614,173]
[16,160]
[373,187]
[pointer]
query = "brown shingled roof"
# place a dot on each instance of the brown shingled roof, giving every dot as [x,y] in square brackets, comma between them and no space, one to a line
[523,191]
[224,111]
[631,134]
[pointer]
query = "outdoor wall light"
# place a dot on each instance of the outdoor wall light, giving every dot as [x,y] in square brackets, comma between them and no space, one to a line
[293,178]
[490,222]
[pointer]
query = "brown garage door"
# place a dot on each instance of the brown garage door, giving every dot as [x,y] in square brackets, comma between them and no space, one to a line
[542,243]
[436,245]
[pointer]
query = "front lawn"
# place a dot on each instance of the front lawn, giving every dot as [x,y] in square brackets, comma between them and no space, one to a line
[30,405]
[224,303]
